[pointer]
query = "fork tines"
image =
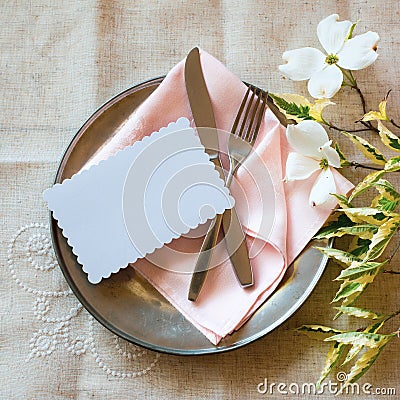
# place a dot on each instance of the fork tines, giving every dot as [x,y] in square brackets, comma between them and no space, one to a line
[253,105]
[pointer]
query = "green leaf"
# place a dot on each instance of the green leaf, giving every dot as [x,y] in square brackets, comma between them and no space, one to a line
[317,331]
[364,363]
[393,164]
[332,359]
[371,340]
[360,312]
[328,230]
[343,160]
[366,183]
[291,109]
[382,238]
[388,138]
[342,257]
[386,204]
[369,151]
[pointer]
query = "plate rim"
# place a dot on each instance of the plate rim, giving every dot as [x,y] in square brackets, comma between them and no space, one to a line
[103,321]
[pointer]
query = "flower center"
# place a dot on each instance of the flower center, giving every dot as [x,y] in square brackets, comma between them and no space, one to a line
[331,59]
[324,163]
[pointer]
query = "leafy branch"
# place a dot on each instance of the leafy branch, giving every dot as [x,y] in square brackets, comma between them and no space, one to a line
[372,228]
[365,342]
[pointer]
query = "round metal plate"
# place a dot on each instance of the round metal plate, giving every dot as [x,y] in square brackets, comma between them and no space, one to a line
[127,304]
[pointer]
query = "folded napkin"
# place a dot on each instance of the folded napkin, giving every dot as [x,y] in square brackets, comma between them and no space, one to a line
[278,223]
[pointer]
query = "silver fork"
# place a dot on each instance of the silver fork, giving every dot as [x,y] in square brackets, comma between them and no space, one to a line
[242,139]
[240,144]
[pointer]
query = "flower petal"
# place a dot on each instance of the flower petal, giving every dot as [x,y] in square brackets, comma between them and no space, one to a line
[331,155]
[299,167]
[326,83]
[302,63]
[359,52]
[323,187]
[307,137]
[332,34]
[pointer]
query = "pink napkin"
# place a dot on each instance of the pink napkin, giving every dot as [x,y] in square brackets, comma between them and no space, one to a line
[223,305]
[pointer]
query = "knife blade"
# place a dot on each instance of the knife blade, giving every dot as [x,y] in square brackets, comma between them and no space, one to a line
[203,115]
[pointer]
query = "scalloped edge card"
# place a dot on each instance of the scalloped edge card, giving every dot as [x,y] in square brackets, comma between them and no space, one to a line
[143,197]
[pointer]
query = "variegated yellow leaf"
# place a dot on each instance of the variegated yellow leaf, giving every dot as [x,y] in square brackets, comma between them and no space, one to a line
[366,183]
[385,187]
[360,312]
[393,164]
[344,204]
[332,227]
[348,290]
[378,115]
[388,198]
[374,116]
[317,331]
[359,270]
[388,138]
[332,359]
[342,200]
[369,151]
[350,300]
[356,279]
[356,348]
[343,160]
[364,363]
[365,231]
[382,237]
[318,107]
[342,257]
[371,340]
[382,107]
[369,215]
[359,246]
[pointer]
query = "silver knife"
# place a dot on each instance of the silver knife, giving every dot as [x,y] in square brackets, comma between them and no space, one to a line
[204,117]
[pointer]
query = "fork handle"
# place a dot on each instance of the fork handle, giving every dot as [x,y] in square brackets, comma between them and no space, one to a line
[204,258]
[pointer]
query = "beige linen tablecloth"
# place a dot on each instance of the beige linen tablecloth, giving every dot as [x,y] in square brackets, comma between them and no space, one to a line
[60,61]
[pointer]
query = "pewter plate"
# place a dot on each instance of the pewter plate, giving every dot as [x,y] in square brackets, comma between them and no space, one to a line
[126,303]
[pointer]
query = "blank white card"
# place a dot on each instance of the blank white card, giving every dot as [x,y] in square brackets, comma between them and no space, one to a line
[138,200]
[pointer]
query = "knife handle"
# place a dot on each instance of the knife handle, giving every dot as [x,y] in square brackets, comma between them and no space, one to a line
[204,258]
[235,241]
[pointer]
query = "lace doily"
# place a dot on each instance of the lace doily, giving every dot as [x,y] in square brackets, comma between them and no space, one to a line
[62,324]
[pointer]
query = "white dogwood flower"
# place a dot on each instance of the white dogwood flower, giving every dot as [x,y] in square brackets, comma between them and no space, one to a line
[324,71]
[313,152]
